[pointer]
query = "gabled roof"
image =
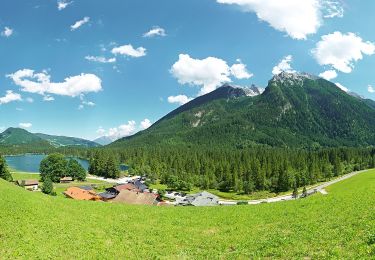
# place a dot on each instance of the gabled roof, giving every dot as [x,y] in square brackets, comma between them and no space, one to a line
[28,182]
[132,197]
[86,187]
[127,186]
[80,194]
[139,185]
[107,195]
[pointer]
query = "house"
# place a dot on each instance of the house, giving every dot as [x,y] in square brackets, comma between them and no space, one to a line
[66,180]
[140,186]
[203,198]
[31,185]
[81,194]
[138,198]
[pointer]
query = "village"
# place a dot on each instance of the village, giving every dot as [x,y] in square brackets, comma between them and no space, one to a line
[130,190]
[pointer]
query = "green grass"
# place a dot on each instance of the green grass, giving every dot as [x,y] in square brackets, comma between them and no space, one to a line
[340,225]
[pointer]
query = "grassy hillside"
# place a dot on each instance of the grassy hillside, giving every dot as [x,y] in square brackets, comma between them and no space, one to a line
[339,225]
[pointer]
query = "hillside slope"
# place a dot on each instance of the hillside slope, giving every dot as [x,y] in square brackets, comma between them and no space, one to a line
[18,137]
[284,230]
[295,110]
[59,141]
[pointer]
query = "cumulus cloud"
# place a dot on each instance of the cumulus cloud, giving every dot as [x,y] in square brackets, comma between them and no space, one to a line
[48,98]
[122,130]
[146,123]
[79,23]
[295,17]
[328,74]
[40,83]
[62,4]
[180,99]
[25,125]
[209,73]
[128,50]
[284,66]
[7,32]
[341,51]
[100,59]
[155,31]
[343,88]
[10,96]
[371,89]
[239,71]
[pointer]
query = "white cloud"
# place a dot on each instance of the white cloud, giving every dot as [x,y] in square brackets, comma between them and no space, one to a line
[155,31]
[180,99]
[122,130]
[239,71]
[284,66]
[371,89]
[100,59]
[342,50]
[48,98]
[25,125]
[146,123]
[343,88]
[79,23]
[101,131]
[328,74]
[7,32]
[2,128]
[128,50]
[30,100]
[62,4]
[10,96]
[298,18]
[209,73]
[40,83]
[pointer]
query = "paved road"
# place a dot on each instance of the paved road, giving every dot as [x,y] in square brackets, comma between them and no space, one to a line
[320,188]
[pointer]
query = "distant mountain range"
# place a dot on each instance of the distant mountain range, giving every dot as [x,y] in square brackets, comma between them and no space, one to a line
[21,137]
[104,140]
[295,110]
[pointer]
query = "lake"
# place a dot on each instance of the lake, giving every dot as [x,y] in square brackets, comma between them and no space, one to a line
[31,162]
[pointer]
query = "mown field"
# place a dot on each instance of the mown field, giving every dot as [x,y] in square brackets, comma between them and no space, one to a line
[340,225]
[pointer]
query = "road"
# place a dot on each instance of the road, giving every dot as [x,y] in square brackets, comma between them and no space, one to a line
[319,188]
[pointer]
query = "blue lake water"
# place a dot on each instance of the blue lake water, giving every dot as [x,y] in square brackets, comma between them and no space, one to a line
[31,162]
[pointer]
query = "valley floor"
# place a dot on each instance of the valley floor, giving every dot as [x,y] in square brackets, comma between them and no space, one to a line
[339,225]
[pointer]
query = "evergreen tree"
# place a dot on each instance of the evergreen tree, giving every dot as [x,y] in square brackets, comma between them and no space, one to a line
[47,187]
[4,171]
[295,191]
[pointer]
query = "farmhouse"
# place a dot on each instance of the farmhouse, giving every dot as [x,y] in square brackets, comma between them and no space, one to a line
[81,194]
[66,180]
[203,198]
[139,198]
[31,185]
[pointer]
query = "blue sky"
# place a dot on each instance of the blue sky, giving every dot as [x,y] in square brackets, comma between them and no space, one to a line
[94,67]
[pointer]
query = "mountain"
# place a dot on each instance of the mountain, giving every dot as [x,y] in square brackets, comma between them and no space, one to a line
[295,110]
[103,140]
[59,141]
[21,137]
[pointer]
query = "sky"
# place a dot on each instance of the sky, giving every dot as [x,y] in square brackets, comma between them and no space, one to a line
[90,68]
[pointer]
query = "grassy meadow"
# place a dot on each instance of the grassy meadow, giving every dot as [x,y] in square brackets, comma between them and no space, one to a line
[339,225]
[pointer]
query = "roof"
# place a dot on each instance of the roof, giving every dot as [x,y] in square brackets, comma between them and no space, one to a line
[107,195]
[80,194]
[86,187]
[28,182]
[203,198]
[132,197]
[127,186]
[66,179]
[139,185]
